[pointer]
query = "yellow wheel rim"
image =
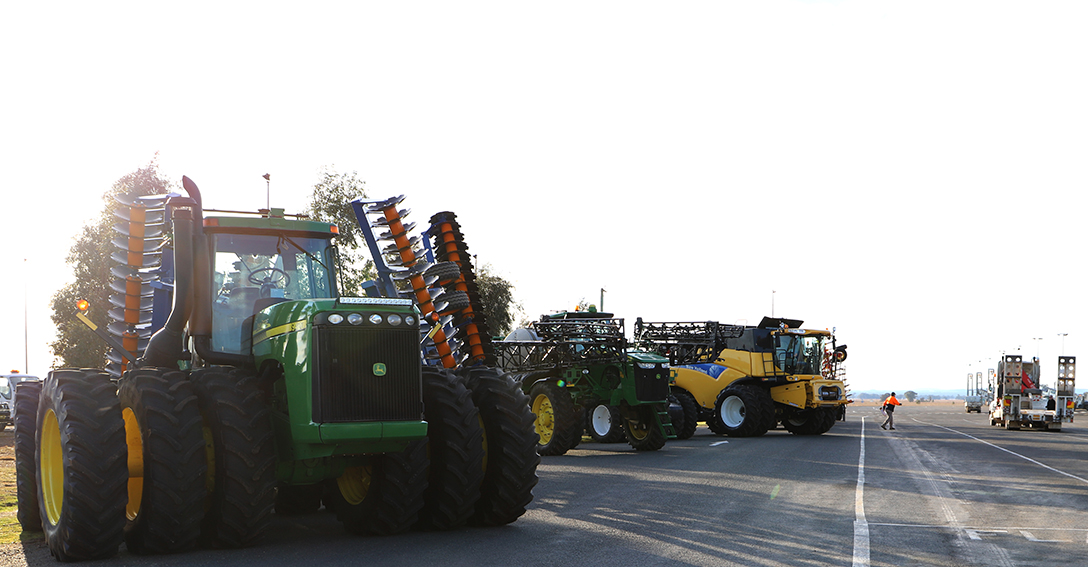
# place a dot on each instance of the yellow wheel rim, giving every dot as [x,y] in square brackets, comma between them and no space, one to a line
[638,431]
[135,442]
[545,418]
[52,468]
[355,484]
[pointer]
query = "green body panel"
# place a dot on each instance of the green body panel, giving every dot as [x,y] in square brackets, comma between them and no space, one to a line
[309,451]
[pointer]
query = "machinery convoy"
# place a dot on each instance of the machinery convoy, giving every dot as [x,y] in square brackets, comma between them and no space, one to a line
[242,380]
[1018,401]
[745,380]
[266,388]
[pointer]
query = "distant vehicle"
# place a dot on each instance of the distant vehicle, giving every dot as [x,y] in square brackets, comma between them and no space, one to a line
[7,390]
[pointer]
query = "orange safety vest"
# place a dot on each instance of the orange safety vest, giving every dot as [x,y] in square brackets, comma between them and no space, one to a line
[891,401]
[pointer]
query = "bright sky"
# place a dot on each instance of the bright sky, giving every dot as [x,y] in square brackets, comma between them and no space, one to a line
[909,173]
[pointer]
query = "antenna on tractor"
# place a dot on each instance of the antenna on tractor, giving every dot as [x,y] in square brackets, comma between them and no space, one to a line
[267,191]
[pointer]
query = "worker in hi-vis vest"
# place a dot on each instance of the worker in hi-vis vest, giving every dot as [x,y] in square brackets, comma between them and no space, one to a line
[889,408]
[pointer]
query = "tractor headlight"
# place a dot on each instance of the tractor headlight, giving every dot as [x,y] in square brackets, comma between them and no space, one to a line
[355,319]
[409,320]
[336,318]
[393,319]
[647,365]
[376,319]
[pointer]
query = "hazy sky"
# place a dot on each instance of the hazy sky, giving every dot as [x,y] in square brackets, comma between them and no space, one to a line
[909,173]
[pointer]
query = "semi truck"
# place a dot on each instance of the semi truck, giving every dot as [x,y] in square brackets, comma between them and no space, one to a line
[1018,401]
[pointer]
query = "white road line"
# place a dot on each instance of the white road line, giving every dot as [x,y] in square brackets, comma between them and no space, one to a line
[1028,459]
[861,526]
[718,443]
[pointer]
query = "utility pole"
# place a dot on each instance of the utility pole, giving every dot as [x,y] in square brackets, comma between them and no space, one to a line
[268,192]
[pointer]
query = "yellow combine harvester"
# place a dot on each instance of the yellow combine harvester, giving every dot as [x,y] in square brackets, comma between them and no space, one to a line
[746,380]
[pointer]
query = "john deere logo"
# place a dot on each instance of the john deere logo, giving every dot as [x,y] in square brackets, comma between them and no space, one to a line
[379,369]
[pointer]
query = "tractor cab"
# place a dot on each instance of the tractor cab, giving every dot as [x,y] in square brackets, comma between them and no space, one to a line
[800,351]
[256,263]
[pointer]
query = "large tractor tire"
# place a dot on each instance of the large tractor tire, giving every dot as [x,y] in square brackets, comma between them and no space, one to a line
[556,423]
[604,423]
[686,427]
[743,410]
[240,455]
[295,500]
[510,457]
[643,431]
[26,399]
[166,468]
[384,496]
[456,451]
[809,422]
[82,473]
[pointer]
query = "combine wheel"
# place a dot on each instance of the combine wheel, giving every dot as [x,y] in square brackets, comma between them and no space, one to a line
[743,410]
[510,457]
[81,457]
[166,469]
[456,452]
[240,456]
[384,496]
[685,428]
[26,468]
[644,433]
[809,422]
[604,423]
[556,423]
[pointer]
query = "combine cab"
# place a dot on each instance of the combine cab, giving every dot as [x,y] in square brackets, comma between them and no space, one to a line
[746,380]
[257,386]
[1019,403]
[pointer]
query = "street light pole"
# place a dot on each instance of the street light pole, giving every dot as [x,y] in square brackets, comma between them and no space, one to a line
[1063,335]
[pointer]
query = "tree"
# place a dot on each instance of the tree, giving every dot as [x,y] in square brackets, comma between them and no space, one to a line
[910,395]
[331,202]
[77,346]
[497,297]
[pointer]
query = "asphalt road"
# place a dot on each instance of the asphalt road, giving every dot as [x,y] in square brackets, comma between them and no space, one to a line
[944,489]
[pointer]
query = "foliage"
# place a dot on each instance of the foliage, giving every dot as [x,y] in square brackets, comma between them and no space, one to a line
[910,395]
[331,202]
[77,346]
[497,297]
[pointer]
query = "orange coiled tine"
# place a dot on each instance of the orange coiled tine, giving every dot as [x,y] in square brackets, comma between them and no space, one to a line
[449,242]
[419,285]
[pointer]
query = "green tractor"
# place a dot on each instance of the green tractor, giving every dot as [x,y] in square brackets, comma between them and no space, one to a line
[580,376]
[263,389]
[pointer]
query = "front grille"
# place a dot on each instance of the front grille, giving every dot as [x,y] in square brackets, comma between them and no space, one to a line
[651,384]
[348,385]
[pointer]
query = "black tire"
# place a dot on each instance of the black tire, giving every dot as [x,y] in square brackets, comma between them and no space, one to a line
[685,428]
[604,423]
[455,449]
[510,444]
[384,496]
[443,272]
[556,422]
[809,422]
[242,456]
[744,410]
[295,500]
[644,431]
[83,474]
[27,395]
[167,472]
[456,300]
